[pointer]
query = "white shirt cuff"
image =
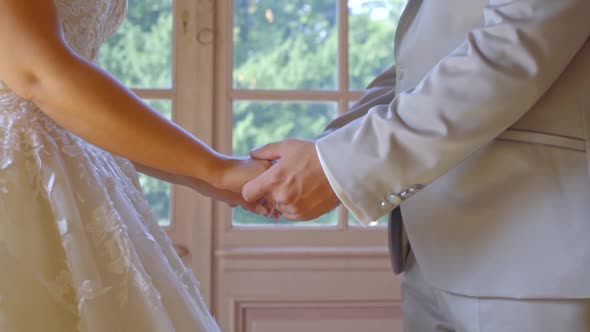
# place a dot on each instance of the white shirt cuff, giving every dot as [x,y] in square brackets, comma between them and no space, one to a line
[344,199]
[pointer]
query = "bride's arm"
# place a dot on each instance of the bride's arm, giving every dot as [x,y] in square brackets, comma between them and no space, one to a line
[158,174]
[230,197]
[36,63]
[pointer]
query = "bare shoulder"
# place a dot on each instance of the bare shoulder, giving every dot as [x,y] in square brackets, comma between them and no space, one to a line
[21,17]
[30,40]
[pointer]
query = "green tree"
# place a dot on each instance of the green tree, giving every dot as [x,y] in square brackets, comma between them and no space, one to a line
[140,52]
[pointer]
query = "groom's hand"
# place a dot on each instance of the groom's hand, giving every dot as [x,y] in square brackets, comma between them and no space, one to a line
[296,182]
[231,198]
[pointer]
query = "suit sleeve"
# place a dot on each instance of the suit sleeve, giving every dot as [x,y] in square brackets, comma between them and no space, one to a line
[380,91]
[471,96]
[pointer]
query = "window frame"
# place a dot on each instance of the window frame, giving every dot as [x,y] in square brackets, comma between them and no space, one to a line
[229,235]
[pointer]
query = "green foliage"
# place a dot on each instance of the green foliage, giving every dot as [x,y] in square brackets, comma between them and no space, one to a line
[140,52]
[277,45]
[259,123]
[285,44]
[293,44]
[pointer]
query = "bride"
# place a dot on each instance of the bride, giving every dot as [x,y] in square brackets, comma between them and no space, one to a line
[79,247]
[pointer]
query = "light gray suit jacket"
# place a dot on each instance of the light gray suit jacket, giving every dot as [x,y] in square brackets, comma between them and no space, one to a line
[482,129]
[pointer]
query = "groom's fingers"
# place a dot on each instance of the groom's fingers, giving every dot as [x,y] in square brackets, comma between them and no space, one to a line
[260,186]
[270,151]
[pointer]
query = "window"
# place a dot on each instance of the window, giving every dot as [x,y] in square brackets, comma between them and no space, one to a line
[298,64]
[295,66]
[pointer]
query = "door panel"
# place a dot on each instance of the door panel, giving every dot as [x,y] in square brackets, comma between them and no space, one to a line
[319,290]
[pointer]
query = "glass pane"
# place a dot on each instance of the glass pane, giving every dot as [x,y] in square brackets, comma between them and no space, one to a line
[158,192]
[372,26]
[258,123]
[285,44]
[140,52]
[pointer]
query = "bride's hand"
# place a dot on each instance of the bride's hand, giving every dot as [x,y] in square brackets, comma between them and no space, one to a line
[237,171]
[211,189]
[231,198]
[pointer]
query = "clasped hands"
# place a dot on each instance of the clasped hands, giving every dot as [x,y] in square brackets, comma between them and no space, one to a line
[292,184]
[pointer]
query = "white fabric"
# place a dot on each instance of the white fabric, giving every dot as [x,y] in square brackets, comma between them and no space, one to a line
[79,247]
[427,309]
[486,217]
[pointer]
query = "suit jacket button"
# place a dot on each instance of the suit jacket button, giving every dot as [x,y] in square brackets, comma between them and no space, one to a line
[406,194]
[394,199]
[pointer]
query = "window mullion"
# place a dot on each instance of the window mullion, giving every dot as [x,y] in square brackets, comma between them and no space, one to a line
[343,80]
[193,101]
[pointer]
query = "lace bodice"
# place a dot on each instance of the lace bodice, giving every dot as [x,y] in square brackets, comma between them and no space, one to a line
[88,23]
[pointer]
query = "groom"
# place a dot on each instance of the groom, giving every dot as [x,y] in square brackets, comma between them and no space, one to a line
[481,133]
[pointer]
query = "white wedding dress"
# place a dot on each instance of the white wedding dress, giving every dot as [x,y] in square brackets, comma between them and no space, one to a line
[79,247]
